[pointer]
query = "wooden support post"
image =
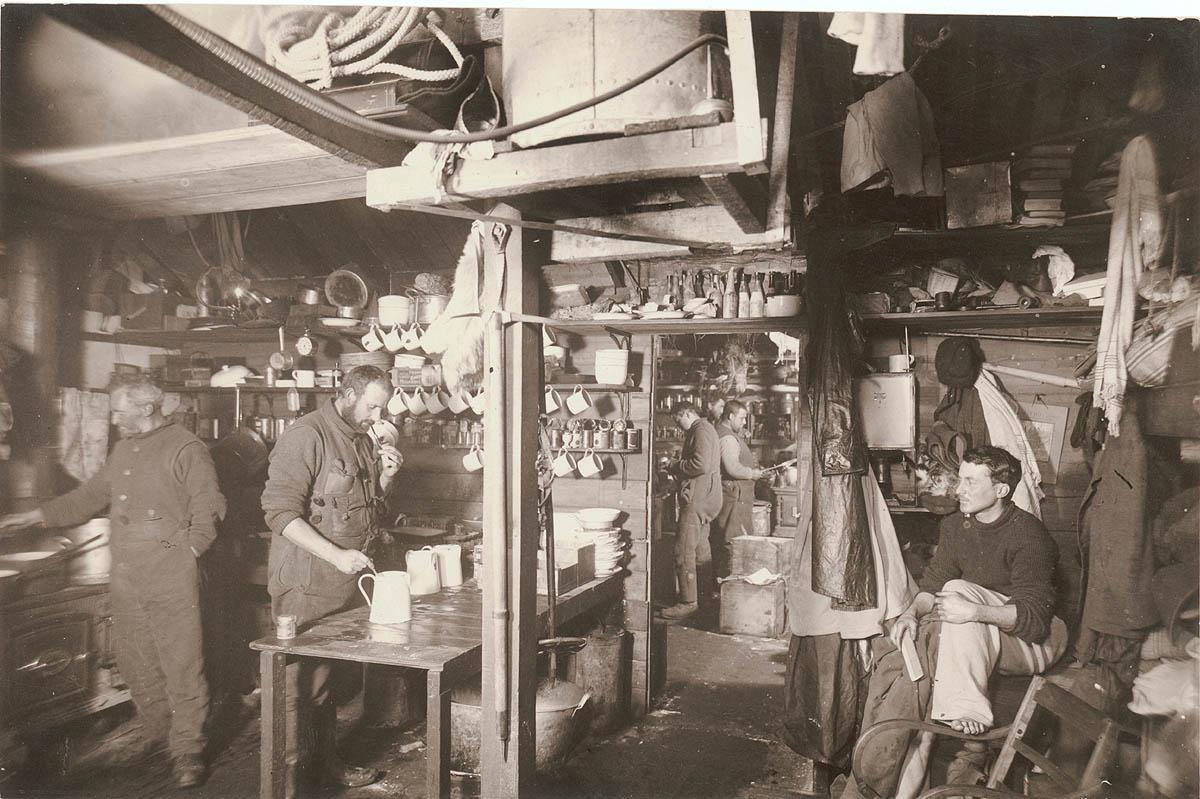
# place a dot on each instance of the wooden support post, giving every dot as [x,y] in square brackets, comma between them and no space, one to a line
[507,767]
[743,196]
[781,133]
[743,70]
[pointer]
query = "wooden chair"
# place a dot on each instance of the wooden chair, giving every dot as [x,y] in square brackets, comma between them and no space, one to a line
[1070,710]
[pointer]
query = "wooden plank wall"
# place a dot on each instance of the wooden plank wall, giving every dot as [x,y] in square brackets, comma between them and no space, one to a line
[606,490]
[1061,505]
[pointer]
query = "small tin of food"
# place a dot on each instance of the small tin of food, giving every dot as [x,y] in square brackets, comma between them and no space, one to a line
[285,626]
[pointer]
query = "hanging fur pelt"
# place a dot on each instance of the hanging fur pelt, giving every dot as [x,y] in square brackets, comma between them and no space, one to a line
[457,335]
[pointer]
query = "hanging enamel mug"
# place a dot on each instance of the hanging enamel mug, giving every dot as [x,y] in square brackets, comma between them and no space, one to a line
[393,340]
[411,340]
[416,402]
[473,460]
[564,464]
[579,401]
[553,400]
[478,402]
[371,340]
[396,404]
[590,464]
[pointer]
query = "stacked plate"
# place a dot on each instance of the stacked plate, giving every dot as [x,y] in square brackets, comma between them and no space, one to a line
[610,546]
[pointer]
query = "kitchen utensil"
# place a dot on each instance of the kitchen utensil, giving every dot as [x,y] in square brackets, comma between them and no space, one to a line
[597,518]
[350,312]
[395,310]
[307,295]
[372,340]
[393,340]
[479,402]
[553,400]
[396,404]
[473,460]
[449,564]
[281,360]
[590,465]
[91,563]
[901,363]
[345,288]
[391,600]
[423,574]
[564,464]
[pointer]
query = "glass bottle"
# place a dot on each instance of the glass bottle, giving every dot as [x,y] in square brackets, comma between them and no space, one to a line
[758,300]
[668,300]
[744,297]
[729,301]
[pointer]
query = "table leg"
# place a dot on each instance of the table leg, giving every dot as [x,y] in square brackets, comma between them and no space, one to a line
[437,737]
[272,778]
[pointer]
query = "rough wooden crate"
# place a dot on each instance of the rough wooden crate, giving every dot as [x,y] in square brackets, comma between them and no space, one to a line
[753,609]
[749,553]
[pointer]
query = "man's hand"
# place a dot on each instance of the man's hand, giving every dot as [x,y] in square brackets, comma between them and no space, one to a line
[954,608]
[20,521]
[391,460]
[759,473]
[351,561]
[902,625]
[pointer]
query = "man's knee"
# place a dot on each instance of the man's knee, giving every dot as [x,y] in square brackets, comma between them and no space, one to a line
[960,586]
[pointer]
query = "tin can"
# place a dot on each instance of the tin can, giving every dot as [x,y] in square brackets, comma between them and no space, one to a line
[603,439]
[270,376]
[588,439]
[285,626]
[633,438]
[556,438]
[618,439]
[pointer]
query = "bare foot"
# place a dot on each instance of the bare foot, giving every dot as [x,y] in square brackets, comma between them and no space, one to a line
[969,726]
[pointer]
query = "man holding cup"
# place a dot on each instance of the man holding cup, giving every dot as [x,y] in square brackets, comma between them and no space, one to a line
[328,474]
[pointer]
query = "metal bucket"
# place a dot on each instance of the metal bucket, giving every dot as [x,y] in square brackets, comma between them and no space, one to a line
[429,307]
[557,727]
[589,51]
[91,565]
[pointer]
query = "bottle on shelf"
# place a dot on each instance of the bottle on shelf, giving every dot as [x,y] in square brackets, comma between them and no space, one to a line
[729,299]
[744,297]
[670,299]
[758,300]
[687,291]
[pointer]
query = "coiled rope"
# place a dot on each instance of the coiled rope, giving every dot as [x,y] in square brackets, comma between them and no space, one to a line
[317,46]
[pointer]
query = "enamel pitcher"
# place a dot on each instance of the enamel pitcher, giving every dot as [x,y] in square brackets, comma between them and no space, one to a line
[391,602]
[423,571]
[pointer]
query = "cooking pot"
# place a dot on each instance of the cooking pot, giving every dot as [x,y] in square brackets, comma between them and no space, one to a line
[430,307]
[91,564]
[41,571]
[309,296]
[558,726]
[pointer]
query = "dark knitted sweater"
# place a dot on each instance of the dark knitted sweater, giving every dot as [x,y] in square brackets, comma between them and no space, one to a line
[1013,555]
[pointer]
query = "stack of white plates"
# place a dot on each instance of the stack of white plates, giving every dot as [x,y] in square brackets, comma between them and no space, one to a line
[610,546]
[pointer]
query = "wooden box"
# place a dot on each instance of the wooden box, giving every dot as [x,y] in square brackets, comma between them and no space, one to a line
[979,194]
[753,609]
[749,553]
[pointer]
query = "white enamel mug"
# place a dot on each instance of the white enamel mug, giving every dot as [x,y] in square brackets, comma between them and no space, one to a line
[422,571]
[371,340]
[411,340]
[393,340]
[553,401]
[416,402]
[473,460]
[435,402]
[396,404]
[457,402]
[589,464]
[392,600]
[478,402]
[564,464]
[579,401]
[449,564]
[901,363]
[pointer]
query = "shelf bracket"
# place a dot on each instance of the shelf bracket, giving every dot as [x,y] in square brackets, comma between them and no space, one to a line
[621,338]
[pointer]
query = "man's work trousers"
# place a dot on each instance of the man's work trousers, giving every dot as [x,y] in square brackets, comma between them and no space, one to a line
[735,518]
[156,628]
[311,715]
[693,558]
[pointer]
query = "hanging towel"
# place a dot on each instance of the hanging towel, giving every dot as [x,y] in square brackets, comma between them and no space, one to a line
[890,139]
[810,613]
[1134,244]
[878,37]
[1005,431]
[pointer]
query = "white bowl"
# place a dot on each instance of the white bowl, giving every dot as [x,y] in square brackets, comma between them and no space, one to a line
[598,518]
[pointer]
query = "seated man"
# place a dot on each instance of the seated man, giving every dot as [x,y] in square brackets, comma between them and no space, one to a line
[989,591]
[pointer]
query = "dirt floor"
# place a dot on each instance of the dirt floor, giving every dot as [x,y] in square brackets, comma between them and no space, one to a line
[711,734]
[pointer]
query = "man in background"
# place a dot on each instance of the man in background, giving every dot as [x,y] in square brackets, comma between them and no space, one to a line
[699,472]
[326,478]
[160,487]
[738,473]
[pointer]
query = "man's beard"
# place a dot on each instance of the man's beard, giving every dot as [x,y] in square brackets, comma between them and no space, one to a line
[347,415]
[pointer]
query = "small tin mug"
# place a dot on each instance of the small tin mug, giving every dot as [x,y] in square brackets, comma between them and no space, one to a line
[285,626]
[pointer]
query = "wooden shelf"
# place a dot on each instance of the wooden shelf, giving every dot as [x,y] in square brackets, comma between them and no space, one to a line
[612,388]
[635,327]
[244,389]
[173,339]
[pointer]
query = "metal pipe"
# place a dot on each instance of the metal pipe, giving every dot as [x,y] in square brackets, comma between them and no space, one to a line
[495,509]
[999,337]
[1041,377]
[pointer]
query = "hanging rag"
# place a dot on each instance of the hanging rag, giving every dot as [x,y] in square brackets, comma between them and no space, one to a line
[457,334]
[842,562]
[810,613]
[890,139]
[1135,244]
[1006,431]
[878,37]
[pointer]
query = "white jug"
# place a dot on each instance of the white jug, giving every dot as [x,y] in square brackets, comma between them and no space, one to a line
[392,603]
[423,571]
[449,564]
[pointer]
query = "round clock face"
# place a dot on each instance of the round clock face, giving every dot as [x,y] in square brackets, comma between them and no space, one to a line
[304,346]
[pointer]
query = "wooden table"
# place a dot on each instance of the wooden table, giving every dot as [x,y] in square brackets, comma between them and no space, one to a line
[444,639]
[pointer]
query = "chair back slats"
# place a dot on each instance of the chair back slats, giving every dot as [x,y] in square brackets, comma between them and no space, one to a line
[1077,714]
[1057,773]
[1020,724]
[1103,756]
